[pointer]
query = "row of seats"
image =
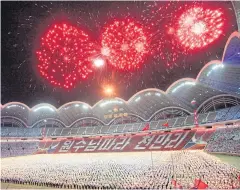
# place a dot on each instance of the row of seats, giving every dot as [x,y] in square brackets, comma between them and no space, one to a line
[222,115]
[225,140]
[12,149]
[20,132]
[228,114]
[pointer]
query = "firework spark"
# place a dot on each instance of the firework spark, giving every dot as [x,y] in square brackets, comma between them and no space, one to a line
[165,61]
[160,20]
[63,55]
[198,27]
[124,43]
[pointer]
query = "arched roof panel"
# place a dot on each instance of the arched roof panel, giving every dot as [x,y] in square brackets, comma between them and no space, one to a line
[157,92]
[219,99]
[222,77]
[231,53]
[186,90]
[180,83]
[86,122]
[11,104]
[109,108]
[42,111]
[148,101]
[17,110]
[72,111]
[75,103]
[174,111]
[207,69]
[13,120]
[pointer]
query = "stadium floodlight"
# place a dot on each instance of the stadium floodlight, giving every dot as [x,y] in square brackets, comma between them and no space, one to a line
[189,83]
[76,105]
[137,99]
[16,106]
[148,94]
[157,94]
[85,107]
[12,106]
[44,107]
[214,68]
[183,84]
[110,102]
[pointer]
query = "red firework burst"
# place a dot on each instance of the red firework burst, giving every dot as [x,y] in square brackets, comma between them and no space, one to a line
[63,55]
[124,43]
[198,27]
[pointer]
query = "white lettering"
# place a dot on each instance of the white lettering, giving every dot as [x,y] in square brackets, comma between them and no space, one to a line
[146,141]
[66,146]
[158,141]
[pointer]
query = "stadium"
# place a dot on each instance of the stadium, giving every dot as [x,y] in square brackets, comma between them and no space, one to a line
[184,137]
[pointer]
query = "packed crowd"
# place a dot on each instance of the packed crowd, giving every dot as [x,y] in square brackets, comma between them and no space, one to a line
[143,170]
[12,148]
[225,140]
[20,132]
[231,113]
[226,114]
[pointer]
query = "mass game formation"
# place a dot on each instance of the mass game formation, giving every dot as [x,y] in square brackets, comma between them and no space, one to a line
[121,170]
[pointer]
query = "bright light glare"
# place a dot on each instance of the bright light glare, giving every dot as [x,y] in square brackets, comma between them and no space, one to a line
[214,68]
[44,107]
[110,102]
[16,106]
[98,62]
[183,84]
[198,28]
[108,90]
[85,107]
[137,99]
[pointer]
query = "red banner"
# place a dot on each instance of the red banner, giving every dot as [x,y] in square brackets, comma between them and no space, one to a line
[162,141]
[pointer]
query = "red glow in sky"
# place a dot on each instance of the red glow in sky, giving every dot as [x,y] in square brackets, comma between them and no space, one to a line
[63,55]
[124,44]
[199,27]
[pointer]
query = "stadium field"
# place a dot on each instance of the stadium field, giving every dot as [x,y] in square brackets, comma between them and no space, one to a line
[232,160]
[19,186]
[156,157]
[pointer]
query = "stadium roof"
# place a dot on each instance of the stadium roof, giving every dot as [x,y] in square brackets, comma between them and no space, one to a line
[232,49]
[216,78]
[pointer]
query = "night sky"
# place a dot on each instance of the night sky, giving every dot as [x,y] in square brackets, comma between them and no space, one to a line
[23,24]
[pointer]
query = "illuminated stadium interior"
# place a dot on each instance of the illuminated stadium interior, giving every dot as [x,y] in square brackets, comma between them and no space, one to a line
[186,136]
